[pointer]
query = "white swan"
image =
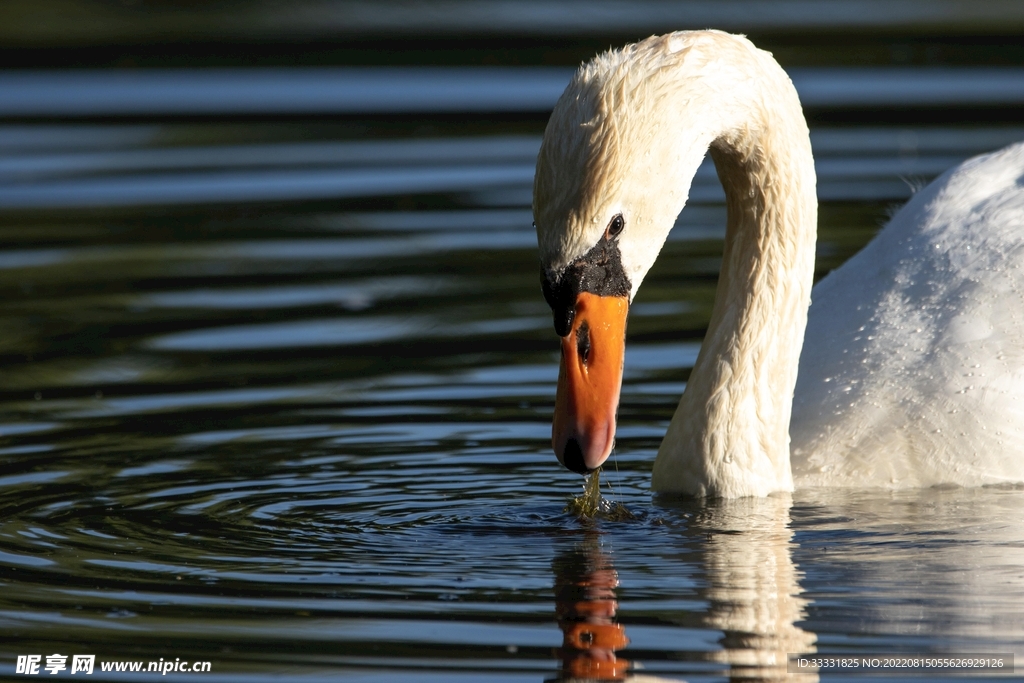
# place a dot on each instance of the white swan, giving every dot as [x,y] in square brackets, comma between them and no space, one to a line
[913,365]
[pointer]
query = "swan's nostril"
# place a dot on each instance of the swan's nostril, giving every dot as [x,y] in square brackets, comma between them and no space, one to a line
[572,458]
[583,342]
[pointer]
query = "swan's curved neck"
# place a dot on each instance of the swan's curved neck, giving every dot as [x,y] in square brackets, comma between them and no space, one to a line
[730,433]
[622,145]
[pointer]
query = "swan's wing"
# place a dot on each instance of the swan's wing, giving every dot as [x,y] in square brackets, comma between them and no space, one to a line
[912,371]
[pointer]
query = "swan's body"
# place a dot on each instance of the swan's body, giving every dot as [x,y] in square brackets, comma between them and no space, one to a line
[913,370]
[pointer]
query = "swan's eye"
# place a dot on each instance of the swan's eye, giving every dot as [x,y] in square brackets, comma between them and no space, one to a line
[616,226]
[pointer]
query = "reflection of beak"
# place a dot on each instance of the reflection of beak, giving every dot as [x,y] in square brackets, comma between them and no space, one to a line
[584,636]
[589,381]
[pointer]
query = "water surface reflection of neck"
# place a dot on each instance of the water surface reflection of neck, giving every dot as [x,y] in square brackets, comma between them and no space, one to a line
[753,587]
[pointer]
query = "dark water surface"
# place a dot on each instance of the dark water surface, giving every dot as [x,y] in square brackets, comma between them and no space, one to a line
[277,391]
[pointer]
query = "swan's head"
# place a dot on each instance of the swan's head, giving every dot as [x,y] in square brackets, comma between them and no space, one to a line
[612,175]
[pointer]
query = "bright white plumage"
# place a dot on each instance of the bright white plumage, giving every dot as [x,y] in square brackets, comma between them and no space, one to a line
[912,371]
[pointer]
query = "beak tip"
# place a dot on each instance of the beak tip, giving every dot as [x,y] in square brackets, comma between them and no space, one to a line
[583,456]
[572,457]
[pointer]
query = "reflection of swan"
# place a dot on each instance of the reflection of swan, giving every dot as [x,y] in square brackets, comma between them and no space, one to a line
[585,604]
[913,373]
[753,587]
[938,565]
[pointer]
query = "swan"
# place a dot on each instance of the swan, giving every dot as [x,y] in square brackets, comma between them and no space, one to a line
[912,373]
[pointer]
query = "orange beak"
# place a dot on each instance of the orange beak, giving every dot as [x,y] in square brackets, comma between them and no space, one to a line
[589,381]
